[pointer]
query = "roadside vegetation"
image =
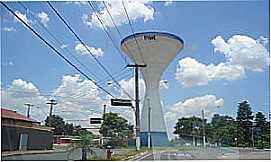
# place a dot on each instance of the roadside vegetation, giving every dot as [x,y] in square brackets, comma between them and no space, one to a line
[246,130]
[116,130]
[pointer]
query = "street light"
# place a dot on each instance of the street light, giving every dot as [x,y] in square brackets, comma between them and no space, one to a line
[252,133]
[149,123]
[203,125]
[197,134]
[235,141]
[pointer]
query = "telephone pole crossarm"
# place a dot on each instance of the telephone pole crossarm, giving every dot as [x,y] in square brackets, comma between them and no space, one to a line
[51,102]
[28,108]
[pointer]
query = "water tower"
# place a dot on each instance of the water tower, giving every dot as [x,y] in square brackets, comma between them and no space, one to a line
[156,50]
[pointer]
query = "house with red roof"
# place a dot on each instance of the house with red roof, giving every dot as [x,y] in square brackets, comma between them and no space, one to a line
[19,132]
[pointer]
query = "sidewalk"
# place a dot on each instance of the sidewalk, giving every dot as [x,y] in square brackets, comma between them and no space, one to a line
[38,155]
[10,153]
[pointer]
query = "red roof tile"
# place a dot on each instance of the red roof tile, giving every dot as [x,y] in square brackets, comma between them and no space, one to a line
[11,114]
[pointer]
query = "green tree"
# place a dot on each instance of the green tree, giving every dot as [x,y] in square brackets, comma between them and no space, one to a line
[85,141]
[222,130]
[266,133]
[244,124]
[188,128]
[261,133]
[57,122]
[117,128]
[68,129]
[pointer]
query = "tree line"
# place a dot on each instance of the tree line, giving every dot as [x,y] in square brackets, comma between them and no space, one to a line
[246,130]
[114,129]
[63,128]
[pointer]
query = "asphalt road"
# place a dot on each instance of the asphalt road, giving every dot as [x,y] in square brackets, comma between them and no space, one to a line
[206,154]
[165,155]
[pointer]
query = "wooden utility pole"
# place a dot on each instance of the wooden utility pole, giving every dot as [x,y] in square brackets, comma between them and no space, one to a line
[28,109]
[137,111]
[104,110]
[51,103]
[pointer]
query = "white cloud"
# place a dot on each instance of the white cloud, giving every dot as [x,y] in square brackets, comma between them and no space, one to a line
[168,3]
[76,90]
[76,98]
[79,3]
[10,63]
[44,19]
[129,86]
[244,51]
[9,29]
[136,10]
[80,49]
[241,52]
[190,72]
[192,107]
[23,17]
[18,86]
[64,46]
[20,92]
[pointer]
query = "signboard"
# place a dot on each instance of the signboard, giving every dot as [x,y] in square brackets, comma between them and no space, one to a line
[121,102]
[95,120]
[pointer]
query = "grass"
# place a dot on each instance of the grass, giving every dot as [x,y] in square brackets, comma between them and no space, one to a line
[126,155]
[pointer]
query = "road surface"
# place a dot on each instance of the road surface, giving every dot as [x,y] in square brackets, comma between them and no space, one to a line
[206,154]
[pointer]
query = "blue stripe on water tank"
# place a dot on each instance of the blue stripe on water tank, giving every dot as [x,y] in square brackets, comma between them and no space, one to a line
[157,139]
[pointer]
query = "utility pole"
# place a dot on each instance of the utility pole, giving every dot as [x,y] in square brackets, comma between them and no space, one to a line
[51,103]
[203,130]
[193,134]
[149,123]
[252,134]
[104,110]
[136,66]
[28,108]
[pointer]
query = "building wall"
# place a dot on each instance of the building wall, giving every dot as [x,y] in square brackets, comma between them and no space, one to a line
[9,139]
[37,139]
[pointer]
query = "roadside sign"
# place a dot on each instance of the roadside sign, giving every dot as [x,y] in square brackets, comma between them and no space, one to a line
[95,120]
[121,102]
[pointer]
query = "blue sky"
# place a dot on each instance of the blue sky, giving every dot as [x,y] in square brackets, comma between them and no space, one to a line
[25,57]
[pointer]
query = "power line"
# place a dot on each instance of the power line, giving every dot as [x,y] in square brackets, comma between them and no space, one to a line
[126,75]
[132,29]
[45,94]
[57,40]
[105,29]
[53,48]
[116,75]
[99,63]
[111,17]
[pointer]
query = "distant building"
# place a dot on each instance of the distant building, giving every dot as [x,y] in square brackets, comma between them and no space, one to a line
[22,133]
[64,139]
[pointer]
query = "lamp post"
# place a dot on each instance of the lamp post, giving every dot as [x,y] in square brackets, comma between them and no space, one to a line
[149,123]
[236,145]
[203,130]
[252,133]
[203,126]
